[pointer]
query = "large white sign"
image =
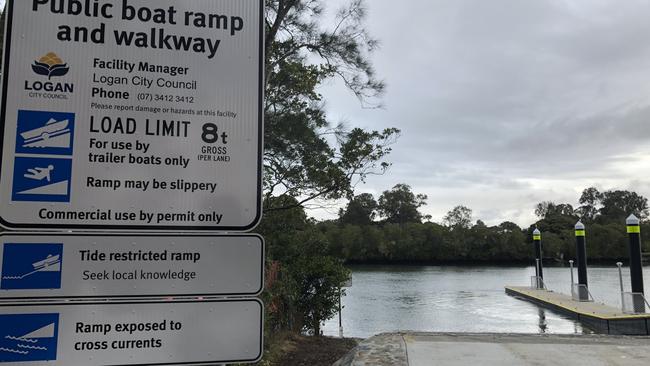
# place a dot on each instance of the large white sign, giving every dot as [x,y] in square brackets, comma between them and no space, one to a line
[132,114]
[158,333]
[99,266]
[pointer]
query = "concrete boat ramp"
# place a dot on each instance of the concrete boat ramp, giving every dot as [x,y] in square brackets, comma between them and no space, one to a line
[464,349]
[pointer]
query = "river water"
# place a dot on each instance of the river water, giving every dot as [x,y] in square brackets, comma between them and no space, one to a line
[462,299]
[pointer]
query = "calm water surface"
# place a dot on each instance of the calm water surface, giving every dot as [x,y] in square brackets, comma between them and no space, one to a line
[461,299]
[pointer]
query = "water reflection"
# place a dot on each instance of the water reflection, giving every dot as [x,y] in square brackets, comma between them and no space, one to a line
[542,320]
[409,300]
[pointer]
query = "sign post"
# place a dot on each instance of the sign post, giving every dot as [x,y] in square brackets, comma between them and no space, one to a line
[132,114]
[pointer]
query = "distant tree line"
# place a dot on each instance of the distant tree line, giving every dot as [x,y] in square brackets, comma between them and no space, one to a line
[391,229]
[604,215]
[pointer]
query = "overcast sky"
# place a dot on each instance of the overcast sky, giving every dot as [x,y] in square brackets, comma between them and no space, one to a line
[505,103]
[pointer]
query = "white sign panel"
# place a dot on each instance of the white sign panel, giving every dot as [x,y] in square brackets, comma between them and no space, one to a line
[158,333]
[99,266]
[132,114]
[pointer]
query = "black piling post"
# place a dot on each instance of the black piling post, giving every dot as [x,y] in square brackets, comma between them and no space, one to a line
[537,240]
[581,257]
[636,265]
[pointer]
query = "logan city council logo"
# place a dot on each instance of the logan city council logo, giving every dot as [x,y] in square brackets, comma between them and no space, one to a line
[50,65]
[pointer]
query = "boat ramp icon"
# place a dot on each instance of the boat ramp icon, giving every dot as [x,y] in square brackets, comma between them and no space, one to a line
[50,264]
[41,132]
[31,266]
[40,173]
[28,337]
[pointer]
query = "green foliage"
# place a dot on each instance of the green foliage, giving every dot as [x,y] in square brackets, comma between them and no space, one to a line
[293,31]
[426,243]
[400,205]
[608,241]
[618,205]
[460,217]
[548,209]
[459,241]
[307,160]
[319,278]
[361,210]
[434,243]
[306,290]
[589,201]
[601,207]
[604,214]
[304,156]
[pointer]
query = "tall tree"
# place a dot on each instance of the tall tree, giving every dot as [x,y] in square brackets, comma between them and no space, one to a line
[555,218]
[361,210]
[542,208]
[509,227]
[400,205]
[617,205]
[460,217]
[305,157]
[589,200]
[547,208]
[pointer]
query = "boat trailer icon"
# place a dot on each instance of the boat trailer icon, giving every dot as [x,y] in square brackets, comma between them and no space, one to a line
[53,134]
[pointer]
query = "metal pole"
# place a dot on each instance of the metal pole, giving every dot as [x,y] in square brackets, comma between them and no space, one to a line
[572,281]
[620,280]
[340,320]
[636,265]
[537,239]
[581,256]
[537,286]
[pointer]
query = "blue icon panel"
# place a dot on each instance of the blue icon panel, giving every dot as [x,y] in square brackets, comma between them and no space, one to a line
[28,337]
[43,162]
[31,266]
[41,179]
[49,133]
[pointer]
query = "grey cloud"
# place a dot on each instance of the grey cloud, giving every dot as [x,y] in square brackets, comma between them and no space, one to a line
[492,94]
